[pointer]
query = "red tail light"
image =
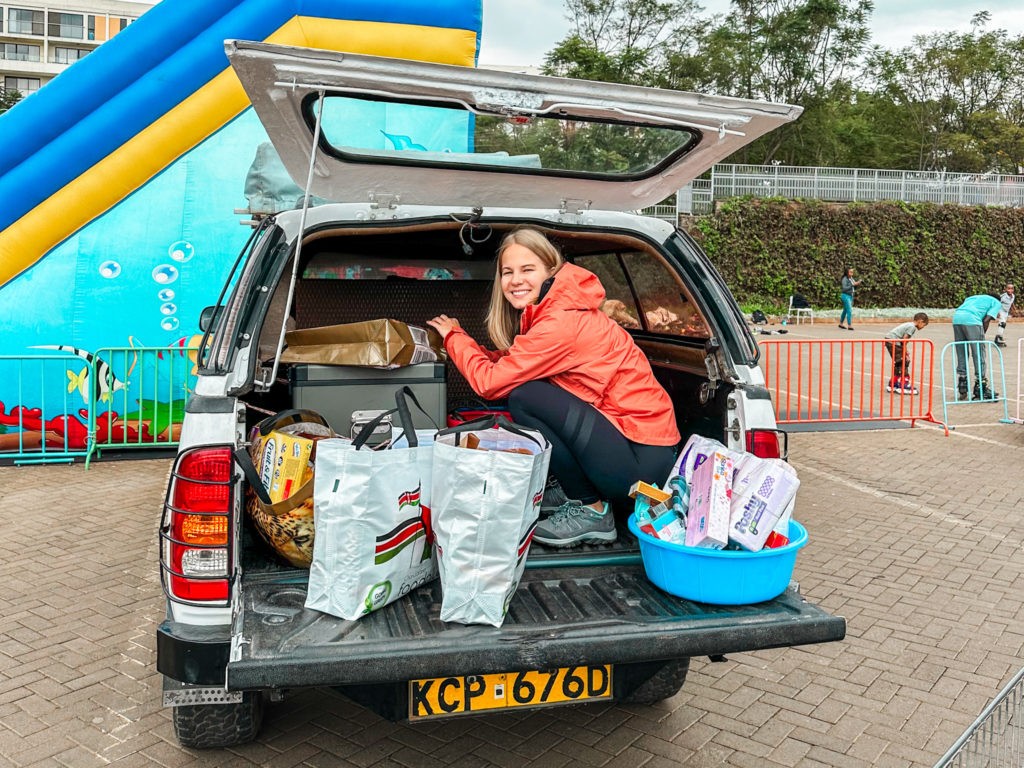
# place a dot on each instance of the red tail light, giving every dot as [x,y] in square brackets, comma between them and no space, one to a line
[196,529]
[766,443]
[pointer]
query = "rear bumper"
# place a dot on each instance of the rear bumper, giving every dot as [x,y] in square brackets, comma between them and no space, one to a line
[191,654]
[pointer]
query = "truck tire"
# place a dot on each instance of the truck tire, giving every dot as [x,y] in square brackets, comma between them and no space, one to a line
[664,683]
[209,726]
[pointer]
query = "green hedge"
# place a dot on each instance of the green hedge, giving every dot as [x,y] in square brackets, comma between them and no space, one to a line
[908,255]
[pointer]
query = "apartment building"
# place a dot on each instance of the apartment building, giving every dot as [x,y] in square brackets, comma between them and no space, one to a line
[39,40]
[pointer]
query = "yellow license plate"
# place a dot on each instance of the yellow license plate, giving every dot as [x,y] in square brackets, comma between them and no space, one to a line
[443,696]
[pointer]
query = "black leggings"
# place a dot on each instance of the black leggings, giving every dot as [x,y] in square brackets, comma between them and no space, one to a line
[592,460]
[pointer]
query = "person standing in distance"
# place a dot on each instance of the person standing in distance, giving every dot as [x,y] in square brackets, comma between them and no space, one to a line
[847,286]
[1006,301]
[573,374]
[970,321]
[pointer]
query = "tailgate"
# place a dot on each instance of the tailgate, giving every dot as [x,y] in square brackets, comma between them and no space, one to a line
[560,617]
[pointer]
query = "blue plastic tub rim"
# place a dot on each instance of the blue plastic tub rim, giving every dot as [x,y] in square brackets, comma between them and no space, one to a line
[794,543]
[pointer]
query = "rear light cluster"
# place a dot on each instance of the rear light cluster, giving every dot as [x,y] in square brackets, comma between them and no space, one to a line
[195,533]
[768,443]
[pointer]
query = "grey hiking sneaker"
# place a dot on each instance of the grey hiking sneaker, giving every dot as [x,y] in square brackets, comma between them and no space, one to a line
[575,523]
[554,497]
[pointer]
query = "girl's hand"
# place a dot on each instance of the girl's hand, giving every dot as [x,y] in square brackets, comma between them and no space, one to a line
[444,325]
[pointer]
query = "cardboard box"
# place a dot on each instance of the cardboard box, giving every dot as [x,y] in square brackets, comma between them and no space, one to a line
[380,343]
[284,464]
[652,492]
[707,522]
[767,489]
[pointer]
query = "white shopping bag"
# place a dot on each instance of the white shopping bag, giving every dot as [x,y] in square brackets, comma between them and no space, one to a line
[485,502]
[372,514]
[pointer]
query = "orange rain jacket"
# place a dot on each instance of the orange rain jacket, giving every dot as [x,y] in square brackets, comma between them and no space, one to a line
[566,339]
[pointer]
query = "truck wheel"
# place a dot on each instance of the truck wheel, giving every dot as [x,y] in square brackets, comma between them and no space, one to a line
[208,726]
[663,681]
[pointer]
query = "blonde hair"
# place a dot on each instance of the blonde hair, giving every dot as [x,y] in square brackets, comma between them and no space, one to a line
[502,317]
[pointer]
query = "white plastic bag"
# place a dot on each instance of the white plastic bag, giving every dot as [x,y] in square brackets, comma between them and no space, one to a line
[486,501]
[373,542]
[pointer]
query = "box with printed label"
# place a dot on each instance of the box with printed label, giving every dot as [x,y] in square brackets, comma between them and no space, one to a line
[707,521]
[767,489]
[284,464]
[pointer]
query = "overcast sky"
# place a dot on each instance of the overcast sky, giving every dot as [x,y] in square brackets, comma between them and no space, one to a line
[520,32]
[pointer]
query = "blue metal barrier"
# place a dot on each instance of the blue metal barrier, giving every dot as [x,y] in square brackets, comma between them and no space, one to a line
[981,359]
[42,426]
[72,405]
[140,397]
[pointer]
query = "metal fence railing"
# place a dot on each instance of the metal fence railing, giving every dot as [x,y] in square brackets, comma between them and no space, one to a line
[849,380]
[73,404]
[48,420]
[984,373]
[996,738]
[846,185]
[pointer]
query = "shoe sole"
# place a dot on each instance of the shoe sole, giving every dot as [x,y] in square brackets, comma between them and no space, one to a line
[575,541]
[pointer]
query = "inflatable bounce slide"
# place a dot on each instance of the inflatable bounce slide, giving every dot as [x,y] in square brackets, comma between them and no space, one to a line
[120,181]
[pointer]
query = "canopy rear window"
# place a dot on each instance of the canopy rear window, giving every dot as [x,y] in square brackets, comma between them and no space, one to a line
[450,134]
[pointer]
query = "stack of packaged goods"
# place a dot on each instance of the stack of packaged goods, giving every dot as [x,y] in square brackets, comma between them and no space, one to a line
[718,498]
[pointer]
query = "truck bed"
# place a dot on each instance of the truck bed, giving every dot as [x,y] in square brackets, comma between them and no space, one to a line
[604,612]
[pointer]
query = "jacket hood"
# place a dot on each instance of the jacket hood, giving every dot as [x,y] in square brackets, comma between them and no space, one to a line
[574,288]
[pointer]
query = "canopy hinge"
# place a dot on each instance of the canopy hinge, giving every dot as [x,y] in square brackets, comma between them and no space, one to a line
[384,200]
[571,205]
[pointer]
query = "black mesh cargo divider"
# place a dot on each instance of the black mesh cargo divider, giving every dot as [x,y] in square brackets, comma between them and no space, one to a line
[330,302]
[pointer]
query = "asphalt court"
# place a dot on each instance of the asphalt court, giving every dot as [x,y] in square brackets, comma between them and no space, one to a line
[915,537]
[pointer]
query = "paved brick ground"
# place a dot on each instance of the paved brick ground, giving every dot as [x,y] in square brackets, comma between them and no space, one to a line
[915,539]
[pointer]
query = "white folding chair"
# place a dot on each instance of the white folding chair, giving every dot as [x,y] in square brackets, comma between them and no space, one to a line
[797,313]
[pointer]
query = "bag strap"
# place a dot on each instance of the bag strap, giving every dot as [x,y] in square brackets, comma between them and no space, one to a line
[488,422]
[244,461]
[289,417]
[404,416]
[369,427]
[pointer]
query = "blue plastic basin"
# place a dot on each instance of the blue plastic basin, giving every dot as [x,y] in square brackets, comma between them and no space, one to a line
[719,576]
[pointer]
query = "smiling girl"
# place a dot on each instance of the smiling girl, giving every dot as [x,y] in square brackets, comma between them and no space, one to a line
[573,374]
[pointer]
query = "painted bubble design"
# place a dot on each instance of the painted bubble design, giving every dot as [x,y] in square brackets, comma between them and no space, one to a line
[169,324]
[181,251]
[165,295]
[110,269]
[168,309]
[165,274]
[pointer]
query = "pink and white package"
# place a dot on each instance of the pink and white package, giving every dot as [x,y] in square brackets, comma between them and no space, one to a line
[694,453]
[707,522]
[760,498]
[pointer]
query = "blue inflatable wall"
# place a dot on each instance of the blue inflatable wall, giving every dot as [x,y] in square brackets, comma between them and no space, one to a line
[120,177]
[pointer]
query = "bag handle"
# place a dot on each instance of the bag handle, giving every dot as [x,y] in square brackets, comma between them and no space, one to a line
[405,418]
[289,417]
[369,427]
[488,422]
[244,461]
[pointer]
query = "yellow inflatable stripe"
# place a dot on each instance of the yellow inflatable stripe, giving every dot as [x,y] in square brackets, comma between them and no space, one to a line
[165,140]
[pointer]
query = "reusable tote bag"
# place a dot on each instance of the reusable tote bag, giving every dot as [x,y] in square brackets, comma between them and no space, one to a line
[373,540]
[486,501]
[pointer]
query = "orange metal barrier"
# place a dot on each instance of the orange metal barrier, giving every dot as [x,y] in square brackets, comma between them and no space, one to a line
[837,380]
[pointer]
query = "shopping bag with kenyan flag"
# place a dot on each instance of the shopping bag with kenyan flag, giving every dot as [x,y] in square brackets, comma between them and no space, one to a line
[488,486]
[373,542]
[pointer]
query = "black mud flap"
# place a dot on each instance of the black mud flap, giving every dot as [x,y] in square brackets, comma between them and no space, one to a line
[559,617]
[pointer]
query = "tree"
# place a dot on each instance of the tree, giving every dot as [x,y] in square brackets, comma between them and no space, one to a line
[622,41]
[962,97]
[8,98]
[800,52]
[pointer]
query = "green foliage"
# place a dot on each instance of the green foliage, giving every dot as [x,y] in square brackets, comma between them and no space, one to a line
[8,98]
[908,255]
[952,100]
